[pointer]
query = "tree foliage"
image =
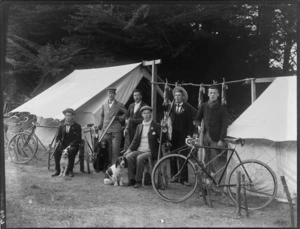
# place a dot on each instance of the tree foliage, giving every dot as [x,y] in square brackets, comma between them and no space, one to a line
[196,42]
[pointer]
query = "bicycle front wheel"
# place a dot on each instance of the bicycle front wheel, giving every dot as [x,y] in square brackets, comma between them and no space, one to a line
[20,152]
[174,189]
[260,184]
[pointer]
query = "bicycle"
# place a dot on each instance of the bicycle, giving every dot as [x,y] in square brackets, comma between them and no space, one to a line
[260,180]
[23,146]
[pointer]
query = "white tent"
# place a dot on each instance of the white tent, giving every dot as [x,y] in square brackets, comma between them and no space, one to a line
[269,127]
[84,91]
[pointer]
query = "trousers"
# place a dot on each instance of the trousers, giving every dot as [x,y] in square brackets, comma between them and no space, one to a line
[136,161]
[212,167]
[114,145]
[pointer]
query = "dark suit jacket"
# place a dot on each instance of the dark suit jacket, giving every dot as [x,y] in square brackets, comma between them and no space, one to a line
[182,124]
[153,138]
[215,120]
[73,138]
[136,118]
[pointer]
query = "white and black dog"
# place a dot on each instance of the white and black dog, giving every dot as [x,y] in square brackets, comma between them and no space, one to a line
[64,162]
[116,172]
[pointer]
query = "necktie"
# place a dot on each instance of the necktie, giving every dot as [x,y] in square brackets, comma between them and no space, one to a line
[177,108]
[67,128]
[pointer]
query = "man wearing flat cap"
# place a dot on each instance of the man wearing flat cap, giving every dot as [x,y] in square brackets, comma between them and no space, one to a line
[181,115]
[112,109]
[144,144]
[69,137]
[134,117]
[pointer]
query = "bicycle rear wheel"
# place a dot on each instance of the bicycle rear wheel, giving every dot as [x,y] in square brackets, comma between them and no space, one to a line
[19,152]
[261,184]
[163,180]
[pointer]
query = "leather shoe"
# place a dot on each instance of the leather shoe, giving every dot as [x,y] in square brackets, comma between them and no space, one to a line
[186,183]
[55,174]
[71,174]
[131,182]
[137,185]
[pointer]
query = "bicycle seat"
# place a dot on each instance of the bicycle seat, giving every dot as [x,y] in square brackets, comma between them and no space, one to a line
[235,140]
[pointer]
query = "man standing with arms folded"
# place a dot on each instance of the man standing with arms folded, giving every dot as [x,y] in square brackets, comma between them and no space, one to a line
[134,117]
[215,118]
[112,109]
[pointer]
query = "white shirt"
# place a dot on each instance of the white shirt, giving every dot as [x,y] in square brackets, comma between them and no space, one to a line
[136,106]
[178,108]
[110,103]
[144,145]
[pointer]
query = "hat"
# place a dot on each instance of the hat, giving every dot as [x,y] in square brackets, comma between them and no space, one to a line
[69,110]
[146,108]
[112,89]
[183,91]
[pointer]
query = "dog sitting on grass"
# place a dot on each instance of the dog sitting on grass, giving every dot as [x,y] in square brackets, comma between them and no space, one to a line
[116,172]
[64,162]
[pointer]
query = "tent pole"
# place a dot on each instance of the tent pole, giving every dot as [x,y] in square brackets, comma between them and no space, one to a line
[253,91]
[153,85]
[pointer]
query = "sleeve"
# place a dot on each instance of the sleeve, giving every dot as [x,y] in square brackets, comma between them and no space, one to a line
[134,144]
[122,113]
[59,134]
[190,121]
[224,124]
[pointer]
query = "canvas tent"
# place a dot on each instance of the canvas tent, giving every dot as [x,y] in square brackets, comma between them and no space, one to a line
[85,92]
[269,127]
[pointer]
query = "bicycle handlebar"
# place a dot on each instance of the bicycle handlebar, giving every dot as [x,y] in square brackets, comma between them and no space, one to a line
[195,142]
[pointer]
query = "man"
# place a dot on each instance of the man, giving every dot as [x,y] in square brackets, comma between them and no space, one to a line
[69,137]
[181,115]
[134,117]
[144,144]
[112,109]
[215,118]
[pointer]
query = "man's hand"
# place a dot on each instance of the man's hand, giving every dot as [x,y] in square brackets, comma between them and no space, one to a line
[125,132]
[220,143]
[127,152]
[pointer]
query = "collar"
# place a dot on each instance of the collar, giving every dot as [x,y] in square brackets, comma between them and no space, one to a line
[138,103]
[111,102]
[213,104]
[69,123]
[146,123]
[179,104]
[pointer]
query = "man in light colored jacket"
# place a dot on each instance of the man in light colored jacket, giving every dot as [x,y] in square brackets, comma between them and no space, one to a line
[112,109]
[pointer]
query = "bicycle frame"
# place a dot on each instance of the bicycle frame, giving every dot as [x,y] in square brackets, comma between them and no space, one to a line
[224,168]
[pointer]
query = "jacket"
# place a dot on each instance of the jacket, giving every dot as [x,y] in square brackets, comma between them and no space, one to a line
[72,139]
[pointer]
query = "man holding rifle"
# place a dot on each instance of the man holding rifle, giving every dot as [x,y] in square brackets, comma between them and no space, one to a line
[111,115]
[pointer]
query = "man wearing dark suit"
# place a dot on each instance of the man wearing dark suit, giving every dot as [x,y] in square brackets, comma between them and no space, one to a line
[134,117]
[112,108]
[69,136]
[144,143]
[181,116]
[215,118]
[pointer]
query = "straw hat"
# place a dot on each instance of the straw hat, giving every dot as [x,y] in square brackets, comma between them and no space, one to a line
[183,91]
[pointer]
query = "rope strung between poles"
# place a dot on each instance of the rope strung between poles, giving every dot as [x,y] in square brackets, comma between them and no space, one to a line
[246,81]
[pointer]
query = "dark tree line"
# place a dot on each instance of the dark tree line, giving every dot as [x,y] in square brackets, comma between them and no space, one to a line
[196,42]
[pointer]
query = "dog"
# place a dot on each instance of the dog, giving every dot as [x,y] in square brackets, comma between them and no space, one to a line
[101,161]
[64,162]
[116,172]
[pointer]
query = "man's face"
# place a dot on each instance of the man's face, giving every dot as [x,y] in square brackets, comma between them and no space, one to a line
[69,117]
[137,96]
[178,97]
[213,94]
[147,114]
[111,95]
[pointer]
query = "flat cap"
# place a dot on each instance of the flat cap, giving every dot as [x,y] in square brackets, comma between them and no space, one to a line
[113,89]
[69,110]
[146,108]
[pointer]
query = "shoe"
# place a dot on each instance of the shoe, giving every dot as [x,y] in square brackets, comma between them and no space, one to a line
[71,174]
[137,185]
[131,182]
[55,174]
